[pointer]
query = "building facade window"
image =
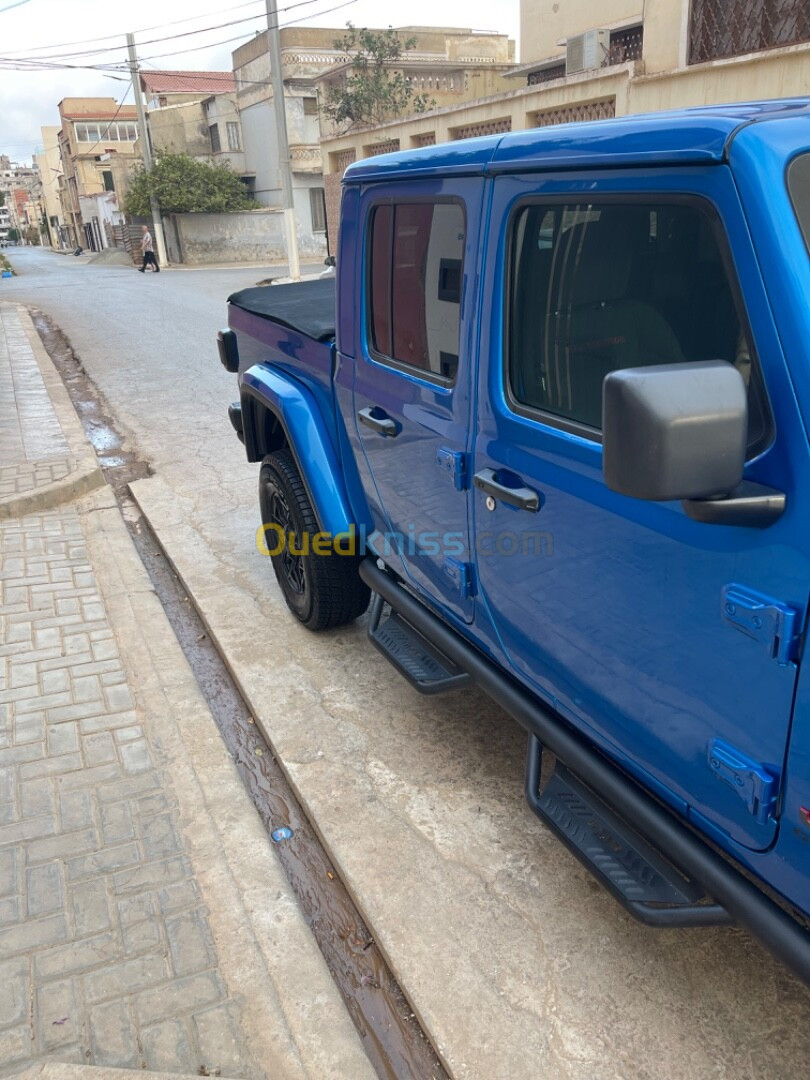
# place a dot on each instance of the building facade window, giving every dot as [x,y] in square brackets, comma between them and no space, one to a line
[101,131]
[310,106]
[213,131]
[107,178]
[317,205]
[234,141]
[723,28]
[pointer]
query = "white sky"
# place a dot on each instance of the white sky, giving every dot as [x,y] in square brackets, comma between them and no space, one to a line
[29,98]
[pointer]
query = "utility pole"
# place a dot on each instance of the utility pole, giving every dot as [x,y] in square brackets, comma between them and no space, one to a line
[146,149]
[283,146]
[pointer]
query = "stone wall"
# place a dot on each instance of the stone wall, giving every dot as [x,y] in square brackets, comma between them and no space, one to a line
[244,236]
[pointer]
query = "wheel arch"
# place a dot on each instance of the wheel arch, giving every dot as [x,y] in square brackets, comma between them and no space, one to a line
[280,413]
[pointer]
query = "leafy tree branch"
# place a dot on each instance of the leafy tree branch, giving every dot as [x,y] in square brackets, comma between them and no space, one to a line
[374,91]
[183,185]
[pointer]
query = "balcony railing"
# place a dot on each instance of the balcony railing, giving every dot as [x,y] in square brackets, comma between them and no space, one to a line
[723,28]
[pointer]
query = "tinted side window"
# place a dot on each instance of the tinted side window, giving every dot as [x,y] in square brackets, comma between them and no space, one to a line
[595,288]
[414,282]
[799,186]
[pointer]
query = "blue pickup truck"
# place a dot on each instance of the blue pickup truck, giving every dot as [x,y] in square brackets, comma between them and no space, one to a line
[551,421]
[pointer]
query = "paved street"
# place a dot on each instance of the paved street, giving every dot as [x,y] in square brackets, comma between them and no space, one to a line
[516,963]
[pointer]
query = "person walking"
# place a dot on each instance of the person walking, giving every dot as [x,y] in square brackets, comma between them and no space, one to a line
[148,250]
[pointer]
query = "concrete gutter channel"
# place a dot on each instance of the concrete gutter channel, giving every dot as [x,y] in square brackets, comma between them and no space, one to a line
[390,1034]
[515,963]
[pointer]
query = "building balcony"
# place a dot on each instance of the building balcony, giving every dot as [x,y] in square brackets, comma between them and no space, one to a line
[306,158]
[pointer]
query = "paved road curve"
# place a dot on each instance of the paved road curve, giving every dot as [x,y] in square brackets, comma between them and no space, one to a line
[517,963]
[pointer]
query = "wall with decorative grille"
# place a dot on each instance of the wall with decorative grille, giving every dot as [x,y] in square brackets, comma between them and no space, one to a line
[345,158]
[485,127]
[427,138]
[387,146]
[547,74]
[724,28]
[590,110]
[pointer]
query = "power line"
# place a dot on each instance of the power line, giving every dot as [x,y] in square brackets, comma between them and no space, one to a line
[75,54]
[22,64]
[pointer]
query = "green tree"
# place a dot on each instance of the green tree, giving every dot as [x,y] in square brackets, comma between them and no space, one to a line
[183,185]
[13,236]
[374,91]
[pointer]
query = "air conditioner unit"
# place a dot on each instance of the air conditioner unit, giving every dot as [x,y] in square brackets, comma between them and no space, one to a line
[587,51]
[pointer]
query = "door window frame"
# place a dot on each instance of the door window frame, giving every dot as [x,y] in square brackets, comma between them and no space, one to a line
[371,351]
[628,198]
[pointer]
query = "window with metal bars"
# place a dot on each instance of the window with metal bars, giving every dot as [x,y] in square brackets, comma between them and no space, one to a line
[724,28]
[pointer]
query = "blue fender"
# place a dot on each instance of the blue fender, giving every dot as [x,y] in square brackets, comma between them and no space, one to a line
[303,429]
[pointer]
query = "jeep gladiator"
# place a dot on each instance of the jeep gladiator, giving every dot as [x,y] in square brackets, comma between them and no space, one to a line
[551,421]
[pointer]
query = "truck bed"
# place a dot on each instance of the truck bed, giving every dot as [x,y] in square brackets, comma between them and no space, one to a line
[306,306]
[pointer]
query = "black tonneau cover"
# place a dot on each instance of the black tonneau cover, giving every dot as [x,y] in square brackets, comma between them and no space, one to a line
[306,306]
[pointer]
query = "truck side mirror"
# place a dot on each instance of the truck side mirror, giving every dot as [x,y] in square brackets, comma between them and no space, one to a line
[674,431]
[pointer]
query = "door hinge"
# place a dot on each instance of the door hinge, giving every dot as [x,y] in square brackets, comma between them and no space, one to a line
[753,783]
[462,576]
[454,462]
[771,622]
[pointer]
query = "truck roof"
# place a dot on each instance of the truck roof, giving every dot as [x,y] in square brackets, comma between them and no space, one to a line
[685,136]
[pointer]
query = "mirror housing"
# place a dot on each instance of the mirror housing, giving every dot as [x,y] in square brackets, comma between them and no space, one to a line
[674,431]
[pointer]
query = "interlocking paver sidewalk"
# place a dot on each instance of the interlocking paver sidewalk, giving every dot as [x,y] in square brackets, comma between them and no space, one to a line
[144,921]
[41,443]
[106,954]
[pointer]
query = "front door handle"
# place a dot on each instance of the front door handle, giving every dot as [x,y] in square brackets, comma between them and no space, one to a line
[522,497]
[378,421]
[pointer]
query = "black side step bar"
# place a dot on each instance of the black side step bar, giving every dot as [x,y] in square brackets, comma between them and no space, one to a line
[745,903]
[630,869]
[423,666]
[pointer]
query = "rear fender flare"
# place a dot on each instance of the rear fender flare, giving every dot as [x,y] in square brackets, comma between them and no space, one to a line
[278,411]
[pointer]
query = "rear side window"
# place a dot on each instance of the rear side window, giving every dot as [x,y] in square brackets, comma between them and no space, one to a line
[414,285]
[798,178]
[599,287]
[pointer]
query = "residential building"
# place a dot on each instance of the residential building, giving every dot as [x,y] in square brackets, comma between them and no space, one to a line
[582,61]
[19,184]
[162,88]
[5,223]
[98,146]
[195,112]
[49,163]
[446,64]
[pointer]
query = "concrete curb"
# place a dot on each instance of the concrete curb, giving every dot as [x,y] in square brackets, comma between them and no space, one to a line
[85,478]
[56,1070]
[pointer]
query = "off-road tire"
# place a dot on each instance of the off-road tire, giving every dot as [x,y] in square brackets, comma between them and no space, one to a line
[322,591]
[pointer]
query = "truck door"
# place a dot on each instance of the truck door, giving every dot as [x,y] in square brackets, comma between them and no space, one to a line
[672,642]
[413,378]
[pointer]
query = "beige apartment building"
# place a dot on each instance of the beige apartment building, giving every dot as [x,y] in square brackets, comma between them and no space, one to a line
[582,60]
[49,163]
[98,145]
[447,64]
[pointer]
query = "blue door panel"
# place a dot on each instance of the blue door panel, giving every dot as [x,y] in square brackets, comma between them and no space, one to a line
[421,512]
[616,617]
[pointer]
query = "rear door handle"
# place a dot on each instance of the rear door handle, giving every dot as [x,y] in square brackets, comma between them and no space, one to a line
[522,497]
[378,421]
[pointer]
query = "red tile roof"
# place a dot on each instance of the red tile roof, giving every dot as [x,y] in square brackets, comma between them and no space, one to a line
[188,82]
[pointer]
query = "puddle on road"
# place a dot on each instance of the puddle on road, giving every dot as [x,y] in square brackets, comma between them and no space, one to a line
[392,1036]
